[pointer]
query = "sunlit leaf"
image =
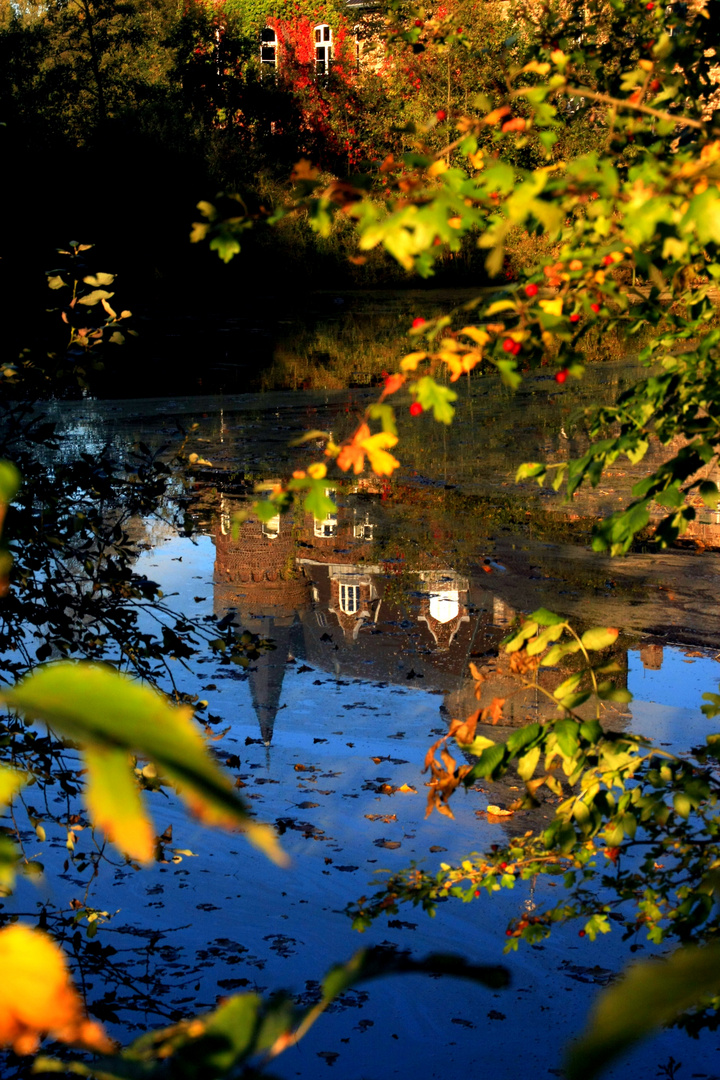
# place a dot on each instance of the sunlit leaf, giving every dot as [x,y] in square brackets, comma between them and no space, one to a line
[650,995]
[115,803]
[599,637]
[37,996]
[97,706]
[10,481]
[11,780]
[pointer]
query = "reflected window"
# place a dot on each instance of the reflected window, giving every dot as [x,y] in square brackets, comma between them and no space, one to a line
[349,599]
[271,528]
[323,49]
[325,528]
[268,48]
[320,618]
[364,531]
[445,605]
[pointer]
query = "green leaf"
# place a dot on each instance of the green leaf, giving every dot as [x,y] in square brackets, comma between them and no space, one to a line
[546,618]
[385,414]
[10,481]
[709,494]
[226,245]
[489,761]
[98,707]
[265,510]
[599,637]
[558,651]
[650,995]
[10,856]
[515,641]
[432,395]
[317,502]
[568,685]
[552,633]
[531,470]
[523,737]
[567,734]
[616,693]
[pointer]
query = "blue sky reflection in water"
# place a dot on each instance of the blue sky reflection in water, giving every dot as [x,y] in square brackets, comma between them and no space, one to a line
[320,737]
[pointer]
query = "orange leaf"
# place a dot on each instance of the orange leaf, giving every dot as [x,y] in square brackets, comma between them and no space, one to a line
[37,997]
[352,453]
[392,383]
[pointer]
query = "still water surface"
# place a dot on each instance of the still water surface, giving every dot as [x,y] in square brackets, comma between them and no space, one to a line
[376,614]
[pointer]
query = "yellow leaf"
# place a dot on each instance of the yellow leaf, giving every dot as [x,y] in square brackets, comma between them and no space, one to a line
[480,337]
[411,361]
[538,68]
[381,462]
[552,307]
[10,781]
[405,789]
[115,803]
[37,997]
[317,470]
[438,168]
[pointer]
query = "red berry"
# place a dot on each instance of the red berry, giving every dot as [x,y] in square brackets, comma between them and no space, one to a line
[561,376]
[608,260]
[575,318]
[508,345]
[477,892]
[441,114]
[508,933]
[418,22]
[503,865]
[416,408]
[581,934]
[417,323]
[649,6]
[655,85]
[531,290]
[595,308]
[516,348]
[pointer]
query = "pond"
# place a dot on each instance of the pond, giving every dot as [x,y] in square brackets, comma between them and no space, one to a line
[375,614]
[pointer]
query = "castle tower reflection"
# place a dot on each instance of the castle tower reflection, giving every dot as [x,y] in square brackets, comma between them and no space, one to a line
[323,592]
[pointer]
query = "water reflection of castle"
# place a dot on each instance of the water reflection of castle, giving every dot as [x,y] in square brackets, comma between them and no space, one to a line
[318,589]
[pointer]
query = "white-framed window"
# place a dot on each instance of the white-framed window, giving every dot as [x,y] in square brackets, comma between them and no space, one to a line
[349,599]
[271,528]
[268,48]
[326,527]
[323,49]
[364,531]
